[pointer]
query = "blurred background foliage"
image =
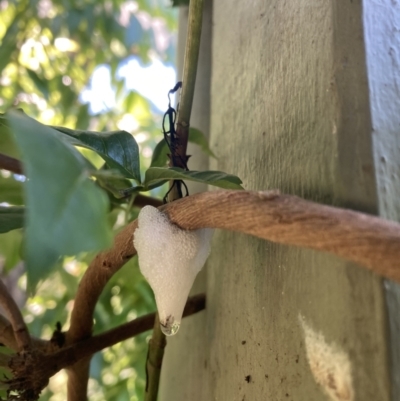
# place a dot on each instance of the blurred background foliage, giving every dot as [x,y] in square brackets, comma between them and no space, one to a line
[98,65]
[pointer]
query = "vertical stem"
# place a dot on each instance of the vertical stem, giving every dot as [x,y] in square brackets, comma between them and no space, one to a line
[192,50]
[158,340]
[191,61]
[154,361]
[78,380]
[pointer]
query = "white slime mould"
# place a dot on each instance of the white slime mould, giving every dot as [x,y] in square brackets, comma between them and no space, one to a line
[169,259]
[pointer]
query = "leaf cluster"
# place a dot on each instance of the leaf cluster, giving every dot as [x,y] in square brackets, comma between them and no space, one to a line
[68,199]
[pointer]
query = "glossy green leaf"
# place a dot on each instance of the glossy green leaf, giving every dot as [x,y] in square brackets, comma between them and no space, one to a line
[11,218]
[118,148]
[155,175]
[160,158]
[112,182]
[67,212]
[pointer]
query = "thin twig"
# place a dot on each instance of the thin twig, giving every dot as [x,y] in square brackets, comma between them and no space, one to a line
[154,361]
[131,329]
[10,164]
[31,373]
[192,50]
[21,333]
[142,200]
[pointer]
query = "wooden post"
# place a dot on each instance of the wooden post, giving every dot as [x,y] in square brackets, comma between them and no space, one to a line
[305,99]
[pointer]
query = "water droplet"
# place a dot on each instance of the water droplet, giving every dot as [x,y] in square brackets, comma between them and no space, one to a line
[170,329]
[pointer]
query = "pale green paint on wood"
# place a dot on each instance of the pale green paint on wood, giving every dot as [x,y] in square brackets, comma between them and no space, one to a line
[290,110]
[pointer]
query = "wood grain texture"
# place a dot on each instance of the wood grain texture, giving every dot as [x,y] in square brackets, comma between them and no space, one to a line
[290,111]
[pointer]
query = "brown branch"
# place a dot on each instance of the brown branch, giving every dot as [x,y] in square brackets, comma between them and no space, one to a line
[78,380]
[7,338]
[88,347]
[32,370]
[142,200]
[367,240]
[100,270]
[10,164]
[21,333]
[7,334]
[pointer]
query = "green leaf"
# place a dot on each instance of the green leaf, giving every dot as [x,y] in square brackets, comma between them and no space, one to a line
[7,145]
[117,148]
[11,218]
[10,248]
[197,137]
[160,158]
[67,212]
[11,191]
[112,182]
[216,178]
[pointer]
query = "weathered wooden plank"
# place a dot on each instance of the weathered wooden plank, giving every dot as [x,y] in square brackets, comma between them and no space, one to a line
[290,111]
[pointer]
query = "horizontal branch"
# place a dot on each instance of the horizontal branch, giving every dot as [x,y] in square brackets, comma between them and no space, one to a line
[142,201]
[10,164]
[370,241]
[131,329]
[31,374]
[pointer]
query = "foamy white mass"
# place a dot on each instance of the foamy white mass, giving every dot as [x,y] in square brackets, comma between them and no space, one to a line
[169,259]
